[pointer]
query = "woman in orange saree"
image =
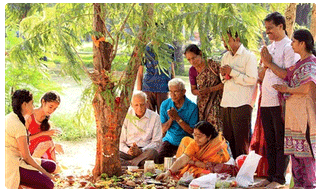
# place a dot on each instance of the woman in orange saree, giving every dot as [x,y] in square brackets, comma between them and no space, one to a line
[193,154]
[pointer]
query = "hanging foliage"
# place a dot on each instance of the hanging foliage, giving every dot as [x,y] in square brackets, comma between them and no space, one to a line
[59,29]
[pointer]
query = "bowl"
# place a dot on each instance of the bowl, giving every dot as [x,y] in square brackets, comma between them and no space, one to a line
[133,168]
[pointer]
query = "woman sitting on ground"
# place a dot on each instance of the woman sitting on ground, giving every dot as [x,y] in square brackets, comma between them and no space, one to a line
[41,144]
[21,168]
[208,146]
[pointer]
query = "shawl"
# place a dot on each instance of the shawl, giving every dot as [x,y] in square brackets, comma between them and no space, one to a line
[300,120]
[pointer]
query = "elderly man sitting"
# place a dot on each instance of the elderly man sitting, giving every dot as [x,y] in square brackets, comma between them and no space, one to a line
[178,116]
[141,133]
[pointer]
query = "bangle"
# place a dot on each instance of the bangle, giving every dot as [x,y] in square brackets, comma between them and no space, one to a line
[171,173]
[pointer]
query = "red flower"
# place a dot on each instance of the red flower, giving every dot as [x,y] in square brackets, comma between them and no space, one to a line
[227,77]
[117,100]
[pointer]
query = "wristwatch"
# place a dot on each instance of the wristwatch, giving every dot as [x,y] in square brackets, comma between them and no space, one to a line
[180,120]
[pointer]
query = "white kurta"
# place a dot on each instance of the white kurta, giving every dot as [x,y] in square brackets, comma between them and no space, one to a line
[145,132]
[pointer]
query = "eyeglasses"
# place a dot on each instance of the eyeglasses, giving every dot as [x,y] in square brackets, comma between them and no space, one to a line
[193,58]
[175,92]
[198,135]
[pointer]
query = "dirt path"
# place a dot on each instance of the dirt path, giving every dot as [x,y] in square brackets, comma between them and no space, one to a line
[78,158]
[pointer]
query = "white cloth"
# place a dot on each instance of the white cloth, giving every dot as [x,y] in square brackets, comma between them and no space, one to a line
[241,88]
[205,182]
[145,132]
[245,175]
[283,56]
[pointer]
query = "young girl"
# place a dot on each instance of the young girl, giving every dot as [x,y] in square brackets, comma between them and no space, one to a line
[41,144]
[21,168]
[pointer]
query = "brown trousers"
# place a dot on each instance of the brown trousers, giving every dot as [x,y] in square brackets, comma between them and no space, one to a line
[148,154]
[155,99]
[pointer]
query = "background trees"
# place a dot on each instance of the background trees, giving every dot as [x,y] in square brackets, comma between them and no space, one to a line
[37,34]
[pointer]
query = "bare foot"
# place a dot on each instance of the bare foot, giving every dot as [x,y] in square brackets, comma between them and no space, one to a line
[274,185]
[262,183]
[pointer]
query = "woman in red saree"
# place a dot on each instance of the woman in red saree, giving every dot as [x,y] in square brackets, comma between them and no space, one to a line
[41,144]
[208,146]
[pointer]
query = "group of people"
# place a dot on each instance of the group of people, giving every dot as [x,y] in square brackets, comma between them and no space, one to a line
[30,151]
[199,134]
[202,134]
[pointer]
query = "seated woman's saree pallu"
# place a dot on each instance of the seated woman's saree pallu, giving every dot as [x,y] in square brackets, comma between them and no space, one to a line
[216,151]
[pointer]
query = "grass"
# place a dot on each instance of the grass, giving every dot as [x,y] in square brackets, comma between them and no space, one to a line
[71,129]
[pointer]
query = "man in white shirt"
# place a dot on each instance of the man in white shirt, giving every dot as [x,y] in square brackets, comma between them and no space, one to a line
[141,133]
[278,54]
[239,74]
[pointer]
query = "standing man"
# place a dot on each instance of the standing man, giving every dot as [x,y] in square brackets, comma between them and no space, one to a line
[155,80]
[279,53]
[239,74]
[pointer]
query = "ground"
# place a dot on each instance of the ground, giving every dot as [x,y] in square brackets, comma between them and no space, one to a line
[78,157]
[78,162]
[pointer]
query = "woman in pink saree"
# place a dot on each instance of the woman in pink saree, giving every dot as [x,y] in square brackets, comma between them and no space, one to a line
[300,119]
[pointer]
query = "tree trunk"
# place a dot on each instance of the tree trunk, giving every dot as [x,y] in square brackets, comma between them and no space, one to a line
[110,111]
[313,22]
[179,65]
[107,156]
[290,15]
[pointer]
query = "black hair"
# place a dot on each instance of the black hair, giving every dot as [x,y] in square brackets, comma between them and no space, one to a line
[229,32]
[207,128]
[305,36]
[18,98]
[194,49]
[48,97]
[277,19]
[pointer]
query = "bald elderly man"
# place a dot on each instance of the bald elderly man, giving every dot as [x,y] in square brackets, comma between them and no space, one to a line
[141,133]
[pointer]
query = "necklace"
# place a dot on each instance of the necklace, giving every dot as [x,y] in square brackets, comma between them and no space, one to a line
[200,68]
[306,56]
[36,119]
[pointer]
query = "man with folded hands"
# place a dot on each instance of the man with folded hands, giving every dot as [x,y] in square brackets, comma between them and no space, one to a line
[141,133]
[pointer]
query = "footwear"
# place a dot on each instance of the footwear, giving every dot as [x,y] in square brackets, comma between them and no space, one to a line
[274,185]
[261,184]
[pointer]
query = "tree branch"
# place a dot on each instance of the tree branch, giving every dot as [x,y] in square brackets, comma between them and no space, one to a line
[121,29]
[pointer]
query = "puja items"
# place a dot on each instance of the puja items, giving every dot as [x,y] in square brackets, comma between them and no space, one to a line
[149,166]
[168,161]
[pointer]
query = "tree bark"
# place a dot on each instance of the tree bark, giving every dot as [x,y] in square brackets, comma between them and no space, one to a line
[107,156]
[110,111]
[313,22]
[290,16]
